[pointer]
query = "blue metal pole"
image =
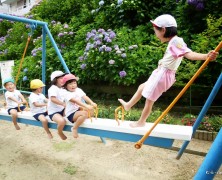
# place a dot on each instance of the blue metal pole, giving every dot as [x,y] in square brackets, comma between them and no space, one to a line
[212,162]
[24,20]
[43,57]
[57,49]
[203,112]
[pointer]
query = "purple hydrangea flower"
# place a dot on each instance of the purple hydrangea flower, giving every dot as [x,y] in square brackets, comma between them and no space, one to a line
[122,74]
[111,61]
[60,34]
[118,52]
[200,6]
[130,47]
[83,66]
[192,2]
[81,58]
[66,26]
[101,30]
[123,55]
[53,22]
[101,49]
[108,49]
[71,33]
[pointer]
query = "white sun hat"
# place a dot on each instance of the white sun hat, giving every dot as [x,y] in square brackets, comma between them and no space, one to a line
[56,74]
[164,20]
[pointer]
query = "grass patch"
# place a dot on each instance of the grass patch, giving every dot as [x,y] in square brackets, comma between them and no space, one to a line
[63,146]
[70,169]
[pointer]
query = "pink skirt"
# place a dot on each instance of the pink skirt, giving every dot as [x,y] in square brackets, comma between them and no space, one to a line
[159,81]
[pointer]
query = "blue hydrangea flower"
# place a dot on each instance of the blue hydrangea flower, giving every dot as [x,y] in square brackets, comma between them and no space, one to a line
[119,2]
[101,3]
[25,78]
[25,70]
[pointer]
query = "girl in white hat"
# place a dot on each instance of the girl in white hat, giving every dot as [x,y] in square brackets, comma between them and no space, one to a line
[162,78]
[56,104]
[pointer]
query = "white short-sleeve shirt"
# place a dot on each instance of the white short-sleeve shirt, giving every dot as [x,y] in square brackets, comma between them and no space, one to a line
[59,93]
[175,51]
[70,106]
[38,98]
[10,103]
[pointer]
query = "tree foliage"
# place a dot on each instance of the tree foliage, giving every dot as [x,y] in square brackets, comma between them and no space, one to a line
[70,21]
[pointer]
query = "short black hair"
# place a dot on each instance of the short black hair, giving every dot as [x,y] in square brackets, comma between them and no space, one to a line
[69,81]
[170,31]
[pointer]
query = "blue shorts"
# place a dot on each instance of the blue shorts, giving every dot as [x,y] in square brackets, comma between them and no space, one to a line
[61,113]
[17,109]
[70,117]
[36,116]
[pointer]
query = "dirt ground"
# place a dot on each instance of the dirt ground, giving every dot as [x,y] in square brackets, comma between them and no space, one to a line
[28,154]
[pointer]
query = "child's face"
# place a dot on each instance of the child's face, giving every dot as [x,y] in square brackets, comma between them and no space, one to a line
[9,86]
[72,86]
[59,81]
[160,34]
[39,90]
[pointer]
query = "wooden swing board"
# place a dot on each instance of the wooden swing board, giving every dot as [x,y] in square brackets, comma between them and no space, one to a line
[163,135]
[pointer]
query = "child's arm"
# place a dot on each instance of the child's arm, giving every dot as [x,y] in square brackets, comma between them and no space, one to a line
[56,101]
[80,103]
[14,99]
[199,56]
[39,104]
[89,101]
[22,98]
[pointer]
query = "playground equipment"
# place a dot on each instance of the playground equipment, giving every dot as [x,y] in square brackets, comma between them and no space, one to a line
[160,135]
[163,136]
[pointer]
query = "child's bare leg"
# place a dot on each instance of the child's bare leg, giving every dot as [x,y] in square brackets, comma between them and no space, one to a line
[61,122]
[79,118]
[14,115]
[145,114]
[44,121]
[136,97]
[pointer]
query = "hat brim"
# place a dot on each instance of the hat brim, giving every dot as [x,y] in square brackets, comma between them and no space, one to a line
[154,25]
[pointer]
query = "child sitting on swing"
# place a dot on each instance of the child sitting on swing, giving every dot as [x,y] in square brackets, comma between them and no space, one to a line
[38,104]
[73,102]
[14,100]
